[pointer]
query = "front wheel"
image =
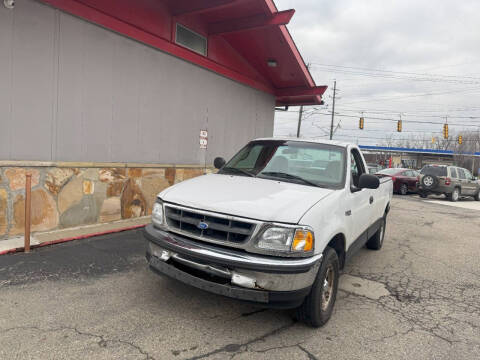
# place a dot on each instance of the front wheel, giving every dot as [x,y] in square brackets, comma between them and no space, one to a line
[317,307]
[376,241]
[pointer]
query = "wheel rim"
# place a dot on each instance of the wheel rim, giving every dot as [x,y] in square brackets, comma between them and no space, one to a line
[428,181]
[455,194]
[403,189]
[328,283]
[382,232]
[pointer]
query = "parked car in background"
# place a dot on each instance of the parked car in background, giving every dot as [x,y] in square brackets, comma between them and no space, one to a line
[274,226]
[451,181]
[374,168]
[404,180]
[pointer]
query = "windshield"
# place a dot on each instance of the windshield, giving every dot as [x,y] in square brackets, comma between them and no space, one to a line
[389,171]
[305,163]
[434,170]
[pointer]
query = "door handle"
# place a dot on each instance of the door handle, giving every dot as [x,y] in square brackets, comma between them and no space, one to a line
[371,199]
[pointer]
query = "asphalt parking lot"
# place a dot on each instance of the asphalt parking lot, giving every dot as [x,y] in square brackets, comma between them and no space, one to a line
[417,298]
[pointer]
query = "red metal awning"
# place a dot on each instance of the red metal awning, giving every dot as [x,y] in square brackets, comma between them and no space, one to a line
[247,39]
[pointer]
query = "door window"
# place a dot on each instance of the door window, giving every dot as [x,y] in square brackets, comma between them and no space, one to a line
[248,157]
[453,172]
[461,174]
[468,175]
[357,167]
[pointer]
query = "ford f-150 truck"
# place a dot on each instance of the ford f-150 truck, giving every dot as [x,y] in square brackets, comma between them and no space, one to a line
[275,224]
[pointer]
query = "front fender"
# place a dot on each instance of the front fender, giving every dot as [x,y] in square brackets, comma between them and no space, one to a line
[327,218]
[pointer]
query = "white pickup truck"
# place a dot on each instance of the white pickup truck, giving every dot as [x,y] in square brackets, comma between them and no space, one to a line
[275,225]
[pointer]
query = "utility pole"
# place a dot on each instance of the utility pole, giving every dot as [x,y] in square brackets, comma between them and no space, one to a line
[333,108]
[300,113]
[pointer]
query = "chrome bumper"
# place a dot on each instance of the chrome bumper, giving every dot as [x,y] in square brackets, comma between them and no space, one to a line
[240,268]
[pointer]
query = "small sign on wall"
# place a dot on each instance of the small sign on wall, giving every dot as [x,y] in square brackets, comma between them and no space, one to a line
[203,139]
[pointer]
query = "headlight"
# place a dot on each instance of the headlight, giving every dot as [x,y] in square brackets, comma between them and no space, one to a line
[286,239]
[157,214]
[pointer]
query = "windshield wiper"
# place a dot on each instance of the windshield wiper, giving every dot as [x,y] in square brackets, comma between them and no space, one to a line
[241,171]
[288,176]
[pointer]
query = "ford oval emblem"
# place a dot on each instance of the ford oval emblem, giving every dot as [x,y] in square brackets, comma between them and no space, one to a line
[202,225]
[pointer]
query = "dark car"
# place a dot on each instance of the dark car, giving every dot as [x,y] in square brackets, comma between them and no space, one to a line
[404,180]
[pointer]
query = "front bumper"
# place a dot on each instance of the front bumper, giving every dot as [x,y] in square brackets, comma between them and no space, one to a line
[277,282]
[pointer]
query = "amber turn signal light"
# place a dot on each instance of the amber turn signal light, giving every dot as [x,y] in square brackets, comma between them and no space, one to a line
[303,240]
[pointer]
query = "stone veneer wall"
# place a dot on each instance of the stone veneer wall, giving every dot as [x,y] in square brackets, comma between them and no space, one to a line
[73,194]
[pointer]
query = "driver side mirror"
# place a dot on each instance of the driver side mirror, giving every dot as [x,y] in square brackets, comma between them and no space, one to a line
[219,162]
[368,181]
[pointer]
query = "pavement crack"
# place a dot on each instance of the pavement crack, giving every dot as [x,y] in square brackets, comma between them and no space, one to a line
[239,348]
[309,354]
[102,340]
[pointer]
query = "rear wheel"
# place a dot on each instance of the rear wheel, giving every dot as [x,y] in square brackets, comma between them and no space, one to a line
[455,195]
[376,241]
[403,189]
[317,307]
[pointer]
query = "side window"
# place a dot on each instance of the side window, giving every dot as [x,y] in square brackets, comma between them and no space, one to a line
[467,174]
[249,159]
[357,167]
[453,172]
[461,174]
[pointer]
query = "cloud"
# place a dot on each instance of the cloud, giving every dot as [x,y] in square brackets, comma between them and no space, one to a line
[410,36]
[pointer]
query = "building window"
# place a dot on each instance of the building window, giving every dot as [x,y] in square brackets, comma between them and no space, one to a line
[191,40]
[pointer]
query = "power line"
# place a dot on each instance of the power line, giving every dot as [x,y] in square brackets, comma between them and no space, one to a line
[409,121]
[415,95]
[395,139]
[411,114]
[396,72]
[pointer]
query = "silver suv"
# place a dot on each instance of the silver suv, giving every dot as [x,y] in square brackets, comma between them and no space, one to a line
[449,180]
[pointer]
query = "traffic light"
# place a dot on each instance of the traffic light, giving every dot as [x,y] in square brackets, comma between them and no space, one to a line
[361,123]
[399,126]
[460,140]
[445,131]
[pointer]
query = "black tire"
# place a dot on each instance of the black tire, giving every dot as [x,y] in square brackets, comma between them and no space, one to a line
[455,195]
[477,196]
[317,307]
[403,189]
[429,182]
[376,241]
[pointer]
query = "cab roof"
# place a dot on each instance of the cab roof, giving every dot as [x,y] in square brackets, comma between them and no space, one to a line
[317,141]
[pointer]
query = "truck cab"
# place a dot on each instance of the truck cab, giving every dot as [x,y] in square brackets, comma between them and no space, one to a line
[273,226]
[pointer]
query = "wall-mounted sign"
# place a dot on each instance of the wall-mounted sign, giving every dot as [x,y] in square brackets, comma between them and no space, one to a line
[203,139]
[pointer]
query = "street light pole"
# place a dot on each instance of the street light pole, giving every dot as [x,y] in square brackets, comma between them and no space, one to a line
[300,113]
[333,108]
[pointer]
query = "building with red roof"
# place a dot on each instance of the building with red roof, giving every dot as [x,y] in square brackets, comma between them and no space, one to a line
[114,89]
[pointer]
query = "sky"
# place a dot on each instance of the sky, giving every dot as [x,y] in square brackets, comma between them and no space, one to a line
[418,60]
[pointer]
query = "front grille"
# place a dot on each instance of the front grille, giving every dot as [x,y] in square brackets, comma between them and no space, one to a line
[220,229]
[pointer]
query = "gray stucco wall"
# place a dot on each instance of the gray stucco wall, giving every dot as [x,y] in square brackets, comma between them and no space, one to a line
[73,91]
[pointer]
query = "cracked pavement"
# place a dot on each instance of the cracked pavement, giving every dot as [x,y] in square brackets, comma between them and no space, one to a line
[419,297]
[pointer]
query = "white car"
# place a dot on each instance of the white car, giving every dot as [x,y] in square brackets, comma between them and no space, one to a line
[274,226]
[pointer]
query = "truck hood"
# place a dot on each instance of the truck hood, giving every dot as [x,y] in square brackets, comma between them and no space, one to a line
[255,198]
